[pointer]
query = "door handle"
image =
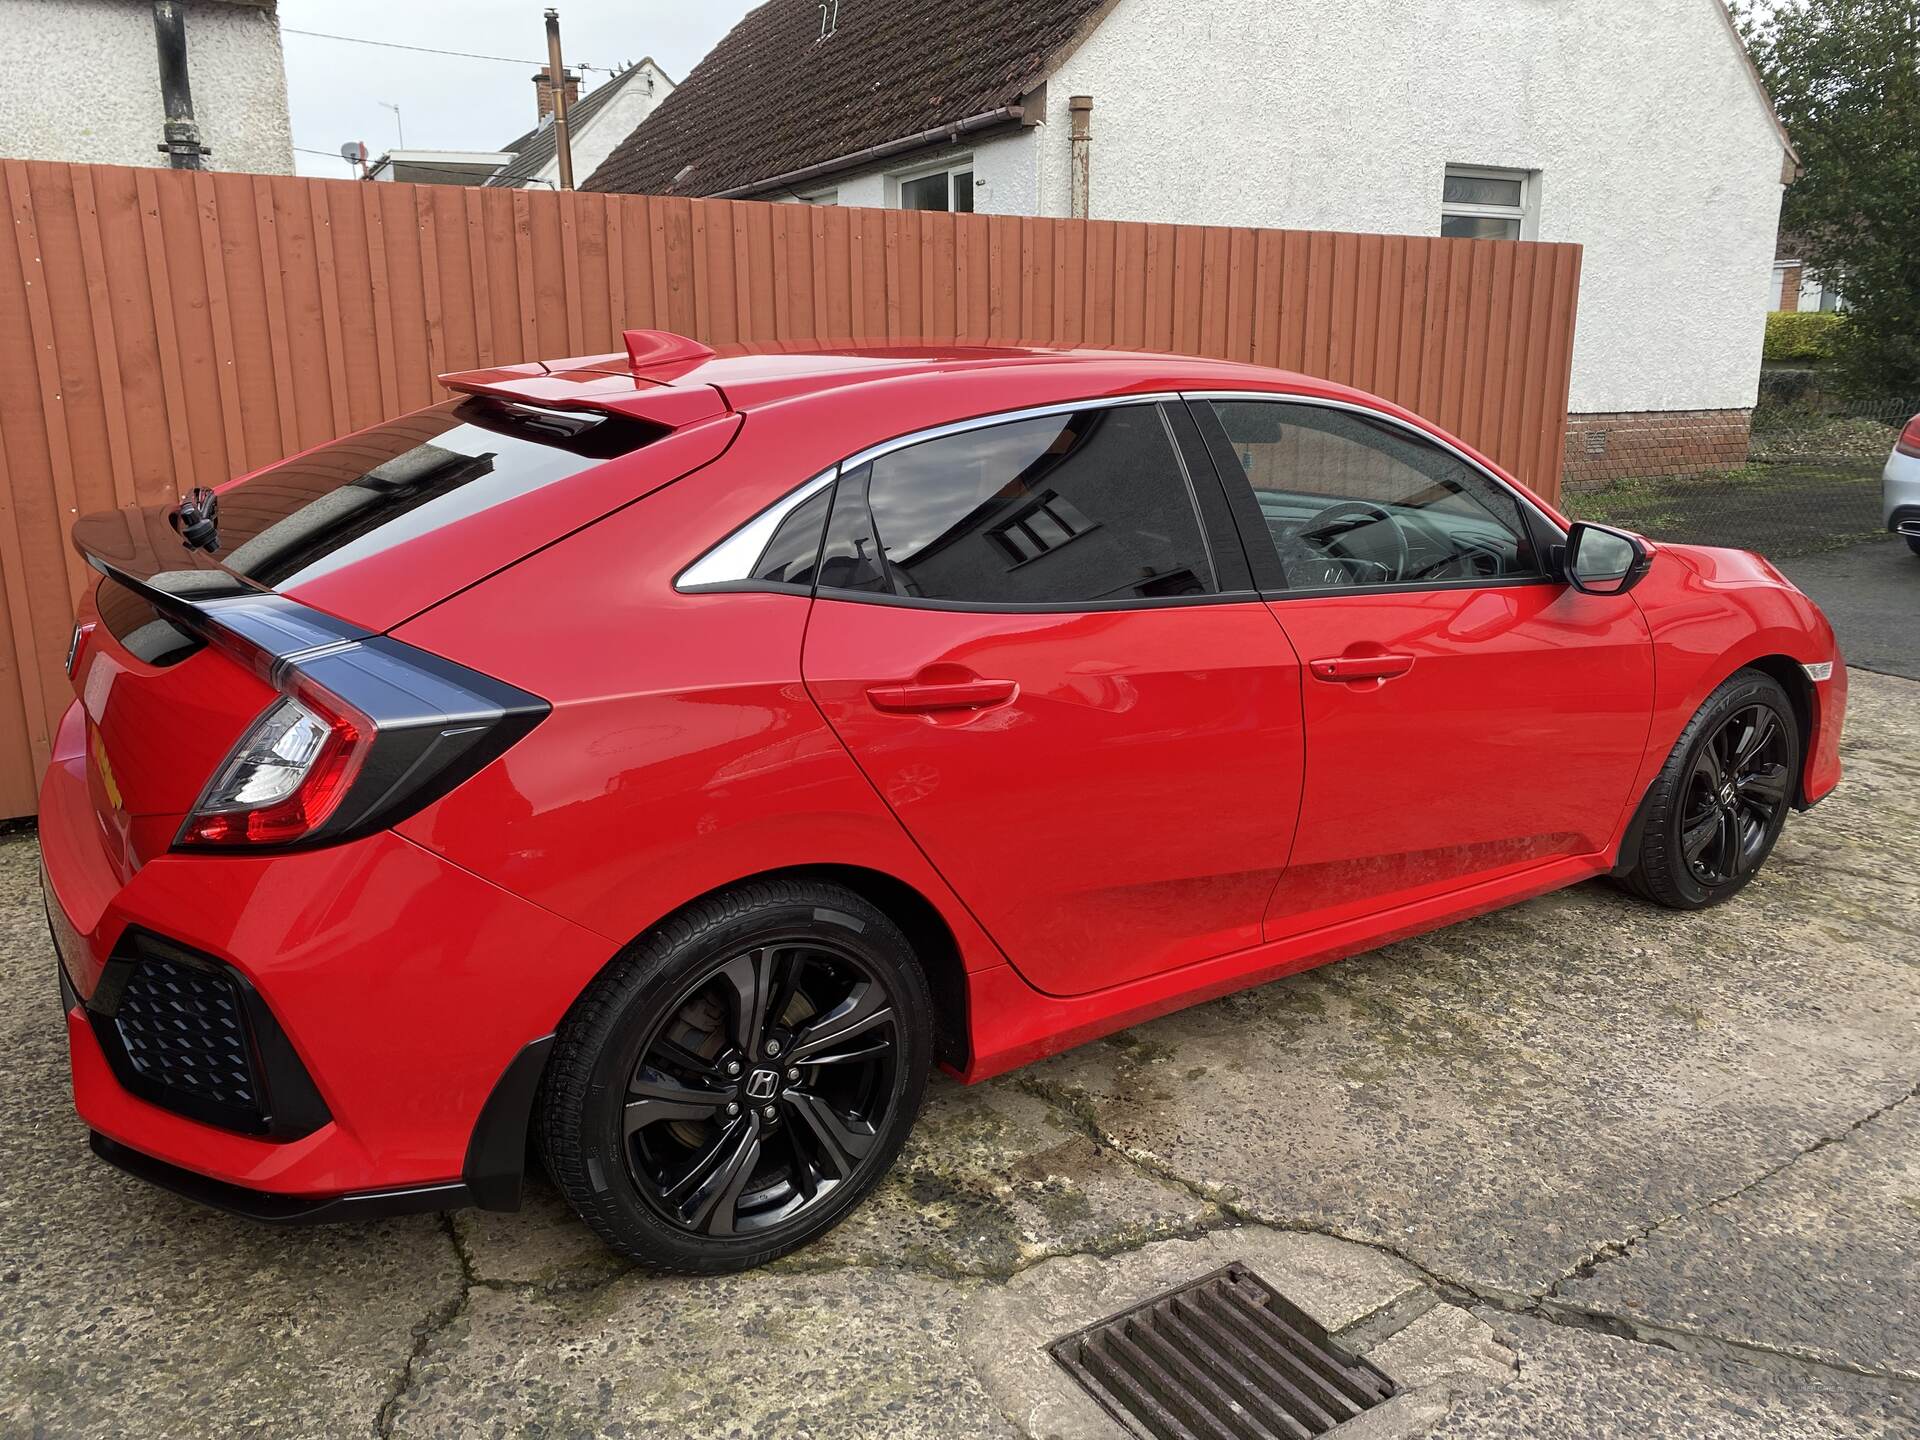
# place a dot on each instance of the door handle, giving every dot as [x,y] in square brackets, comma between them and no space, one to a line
[950,695]
[1347,668]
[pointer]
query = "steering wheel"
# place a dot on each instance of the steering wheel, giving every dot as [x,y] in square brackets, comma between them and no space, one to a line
[1325,530]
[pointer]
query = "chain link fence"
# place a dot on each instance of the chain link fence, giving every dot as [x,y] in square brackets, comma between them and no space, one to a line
[1811,483]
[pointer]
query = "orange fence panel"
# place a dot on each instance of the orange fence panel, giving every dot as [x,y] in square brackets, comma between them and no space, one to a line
[163,329]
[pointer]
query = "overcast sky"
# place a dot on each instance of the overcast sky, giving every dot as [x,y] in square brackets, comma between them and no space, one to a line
[446,103]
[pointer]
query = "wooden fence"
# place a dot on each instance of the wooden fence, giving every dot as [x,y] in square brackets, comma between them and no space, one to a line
[161,329]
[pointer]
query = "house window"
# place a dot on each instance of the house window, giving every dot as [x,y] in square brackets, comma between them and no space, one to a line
[1485,204]
[948,188]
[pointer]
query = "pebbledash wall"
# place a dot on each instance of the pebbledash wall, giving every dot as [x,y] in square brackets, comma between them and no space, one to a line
[1646,135]
[83,83]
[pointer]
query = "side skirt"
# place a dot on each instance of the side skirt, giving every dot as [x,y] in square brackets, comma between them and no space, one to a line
[1015,1025]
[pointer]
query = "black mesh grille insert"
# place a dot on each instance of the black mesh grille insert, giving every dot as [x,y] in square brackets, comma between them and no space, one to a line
[185,1029]
[1224,1358]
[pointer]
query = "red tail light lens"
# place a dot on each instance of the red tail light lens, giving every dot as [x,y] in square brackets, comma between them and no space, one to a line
[285,777]
[1909,441]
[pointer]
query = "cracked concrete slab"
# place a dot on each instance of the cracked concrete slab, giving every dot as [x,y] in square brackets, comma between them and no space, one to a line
[852,1352]
[1576,1383]
[994,1179]
[1501,1099]
[124,1310]
[1815,1261]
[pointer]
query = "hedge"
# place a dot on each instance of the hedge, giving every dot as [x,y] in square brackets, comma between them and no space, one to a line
[1802,334]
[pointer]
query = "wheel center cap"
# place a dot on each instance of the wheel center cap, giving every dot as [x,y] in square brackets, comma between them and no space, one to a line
[1726,795]
[762,1084]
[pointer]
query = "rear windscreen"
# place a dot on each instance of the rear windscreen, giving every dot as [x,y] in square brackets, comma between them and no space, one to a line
[370,492]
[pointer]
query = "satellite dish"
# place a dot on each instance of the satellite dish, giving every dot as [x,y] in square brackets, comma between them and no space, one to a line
[354,152]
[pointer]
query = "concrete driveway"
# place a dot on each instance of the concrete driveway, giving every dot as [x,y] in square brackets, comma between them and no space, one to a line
[1871,593]
[1581,1168]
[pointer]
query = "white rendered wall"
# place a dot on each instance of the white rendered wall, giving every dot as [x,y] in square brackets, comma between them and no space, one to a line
[83,84]
[1655,150]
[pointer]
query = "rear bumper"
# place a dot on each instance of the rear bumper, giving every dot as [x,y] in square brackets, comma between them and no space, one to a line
[273,1209]
[418,998]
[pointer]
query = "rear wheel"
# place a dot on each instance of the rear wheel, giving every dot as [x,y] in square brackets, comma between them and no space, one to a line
[1913,543]
[740,1079]
[1720,802]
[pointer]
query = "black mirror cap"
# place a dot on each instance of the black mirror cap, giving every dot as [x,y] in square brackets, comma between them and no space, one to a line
[1610,584]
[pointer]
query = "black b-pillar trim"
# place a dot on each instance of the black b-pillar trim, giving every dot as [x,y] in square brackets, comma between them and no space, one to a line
[496,1164]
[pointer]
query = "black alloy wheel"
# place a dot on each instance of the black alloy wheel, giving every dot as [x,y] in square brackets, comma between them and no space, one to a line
[738,1078]
[761,1092]
[1736,793]
[1718,805]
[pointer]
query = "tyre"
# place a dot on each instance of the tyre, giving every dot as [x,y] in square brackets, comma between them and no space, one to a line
[1913,543]
[1717,806]
[739,1078]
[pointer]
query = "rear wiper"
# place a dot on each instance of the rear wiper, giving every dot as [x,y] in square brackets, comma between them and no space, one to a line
[197,519]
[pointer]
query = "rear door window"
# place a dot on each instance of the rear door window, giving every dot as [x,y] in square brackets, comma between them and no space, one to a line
[1087,508]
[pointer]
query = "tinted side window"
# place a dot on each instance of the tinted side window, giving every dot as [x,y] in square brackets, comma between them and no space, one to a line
[1351,501]
[1061,509]
[794,550]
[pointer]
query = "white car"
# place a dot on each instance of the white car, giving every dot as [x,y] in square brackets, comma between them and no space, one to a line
[1900,486]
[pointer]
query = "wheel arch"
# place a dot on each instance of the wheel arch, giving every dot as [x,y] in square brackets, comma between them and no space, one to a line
[1792,678]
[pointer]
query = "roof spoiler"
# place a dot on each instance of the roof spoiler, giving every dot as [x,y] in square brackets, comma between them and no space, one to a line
[655,360]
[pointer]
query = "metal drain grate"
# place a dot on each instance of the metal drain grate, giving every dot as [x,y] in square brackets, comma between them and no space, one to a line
[1226,1357]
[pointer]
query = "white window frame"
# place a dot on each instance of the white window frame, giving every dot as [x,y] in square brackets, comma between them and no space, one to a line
[1525,212]
[949,168]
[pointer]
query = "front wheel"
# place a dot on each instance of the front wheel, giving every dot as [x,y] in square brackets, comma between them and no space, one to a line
[737,1081]
[1720,802]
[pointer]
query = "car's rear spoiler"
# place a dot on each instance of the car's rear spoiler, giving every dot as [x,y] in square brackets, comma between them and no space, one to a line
[650,383]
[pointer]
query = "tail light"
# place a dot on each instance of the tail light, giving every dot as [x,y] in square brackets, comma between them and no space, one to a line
[286,777]
[365,732]
[1909,441]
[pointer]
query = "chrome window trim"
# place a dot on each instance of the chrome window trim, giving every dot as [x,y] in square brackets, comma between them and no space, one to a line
[1283,397]
[731,562]
[1004,417]
[733,559]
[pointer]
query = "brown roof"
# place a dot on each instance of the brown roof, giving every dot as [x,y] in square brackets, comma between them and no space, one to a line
[774,97]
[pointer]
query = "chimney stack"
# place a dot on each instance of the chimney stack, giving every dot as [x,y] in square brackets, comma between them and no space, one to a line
[543,90]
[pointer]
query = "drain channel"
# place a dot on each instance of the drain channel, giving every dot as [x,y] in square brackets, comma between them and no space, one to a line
[1225,1357]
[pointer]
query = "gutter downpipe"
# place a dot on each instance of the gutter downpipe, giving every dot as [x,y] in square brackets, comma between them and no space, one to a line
[1080,107]
[1005,115]
[182,145]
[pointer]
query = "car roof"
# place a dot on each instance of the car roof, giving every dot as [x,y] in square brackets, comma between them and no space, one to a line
[670,379]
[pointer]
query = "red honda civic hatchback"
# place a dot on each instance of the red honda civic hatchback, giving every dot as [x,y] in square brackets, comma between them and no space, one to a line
[665,758]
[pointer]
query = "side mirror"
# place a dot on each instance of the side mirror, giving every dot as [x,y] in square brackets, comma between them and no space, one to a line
[1602,561]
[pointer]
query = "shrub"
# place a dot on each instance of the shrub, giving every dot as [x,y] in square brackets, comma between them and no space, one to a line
[1802,335]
